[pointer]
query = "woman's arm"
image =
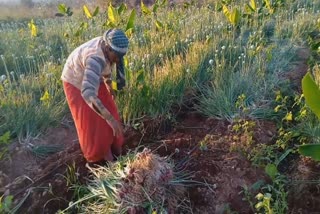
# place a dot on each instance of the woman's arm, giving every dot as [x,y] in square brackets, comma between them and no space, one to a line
[90,86]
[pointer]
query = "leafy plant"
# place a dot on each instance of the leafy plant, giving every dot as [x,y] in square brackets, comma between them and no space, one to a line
[311,92]
[4,142]
[64,10]
[6,204]
[88,14]
[33,28]
[233,16]
[117,19]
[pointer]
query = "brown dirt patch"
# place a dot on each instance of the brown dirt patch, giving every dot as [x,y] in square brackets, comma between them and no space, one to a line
[205,145]
[40,183]
[305,185]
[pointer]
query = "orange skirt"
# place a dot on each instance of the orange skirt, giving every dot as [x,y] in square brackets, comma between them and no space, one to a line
[95,135]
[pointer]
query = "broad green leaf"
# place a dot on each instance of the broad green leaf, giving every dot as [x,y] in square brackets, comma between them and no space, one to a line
[159,25]
[268,6]
[249,9]
[69,12]
[113,15]
[122,8]
[59,14]
[310,150]
[253,5]
[145,10]
[235,17]
[129,32]
[226,11]
[311,93]
[62,8]
[130,24]
[96,11]
[87,12]
[271,170]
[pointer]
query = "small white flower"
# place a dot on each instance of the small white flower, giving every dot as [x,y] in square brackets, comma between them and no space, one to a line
[188,70]
[223,47]
[160,55]
[243,62]
[186,41]
[252,47]
[143,65]
[239,57]
[12,73]
[3,78]
[22,76]
[211,61]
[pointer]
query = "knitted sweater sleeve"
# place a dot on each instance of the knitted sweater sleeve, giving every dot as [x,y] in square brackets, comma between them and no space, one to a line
[90,86]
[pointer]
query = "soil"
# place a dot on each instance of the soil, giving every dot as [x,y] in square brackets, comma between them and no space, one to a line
[204,146]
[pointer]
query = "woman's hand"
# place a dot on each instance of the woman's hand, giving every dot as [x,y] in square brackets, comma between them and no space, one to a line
[116,127]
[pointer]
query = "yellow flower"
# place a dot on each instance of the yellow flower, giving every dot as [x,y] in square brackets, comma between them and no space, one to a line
[114,85]
[33,28]
[46,98]
[289,116]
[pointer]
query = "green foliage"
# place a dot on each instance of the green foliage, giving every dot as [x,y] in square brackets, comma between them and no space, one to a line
[88,14]
[232,16]
[5,138]
[264,204]
[6,204]
[145,10]
[310,150]
[4,143]
[64,10]
[311,93]
[271,170]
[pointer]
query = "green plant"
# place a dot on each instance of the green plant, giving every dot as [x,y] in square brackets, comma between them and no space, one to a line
[6,204]
[4,142]
[312,95]
[64,10]
[264,203]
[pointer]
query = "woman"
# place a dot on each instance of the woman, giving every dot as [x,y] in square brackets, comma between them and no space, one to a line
[87,84]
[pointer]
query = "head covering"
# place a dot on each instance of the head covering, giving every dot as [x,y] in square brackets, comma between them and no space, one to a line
[118,42]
